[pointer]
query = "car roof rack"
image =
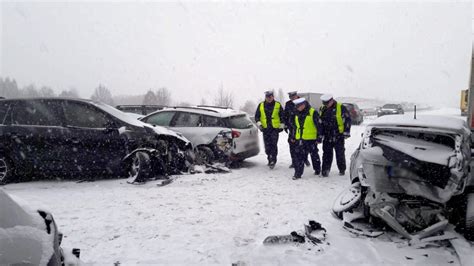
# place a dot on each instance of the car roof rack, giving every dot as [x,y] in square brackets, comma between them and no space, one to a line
[195,108]
[141,105]
[212,106]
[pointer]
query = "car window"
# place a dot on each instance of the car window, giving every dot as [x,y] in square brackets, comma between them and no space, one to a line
[239,122]
[211,121]
[187,120]
[81,115]
[160,119]
[349,107]
[3,111]
[36,113]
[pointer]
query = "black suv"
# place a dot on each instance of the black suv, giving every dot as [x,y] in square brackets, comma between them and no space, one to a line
[56,137]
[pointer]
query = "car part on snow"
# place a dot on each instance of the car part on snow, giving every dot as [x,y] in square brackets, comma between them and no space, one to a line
[313,233]
[358,231]
[293,237]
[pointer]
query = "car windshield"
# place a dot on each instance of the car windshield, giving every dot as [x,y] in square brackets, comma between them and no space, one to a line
[239,122]
[119,114]
[390,106]
[349,106]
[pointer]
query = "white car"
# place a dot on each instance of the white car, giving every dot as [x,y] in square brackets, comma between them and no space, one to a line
[216,133]
[414,174]
[31,237]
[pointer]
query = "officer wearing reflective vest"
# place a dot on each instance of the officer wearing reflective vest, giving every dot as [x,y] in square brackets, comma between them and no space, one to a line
[335,128]
[269,118]
[290,111]
[306,137]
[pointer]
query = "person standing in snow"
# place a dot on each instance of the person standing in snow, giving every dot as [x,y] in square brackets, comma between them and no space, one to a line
[336,127]
[306,138]
[289,117]
[269,118]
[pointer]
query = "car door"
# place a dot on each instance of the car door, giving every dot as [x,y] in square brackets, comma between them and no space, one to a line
[189,125]
[162,118]
[94,140]
[36,135]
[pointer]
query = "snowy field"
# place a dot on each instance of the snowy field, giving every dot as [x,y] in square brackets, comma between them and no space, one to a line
[217,218]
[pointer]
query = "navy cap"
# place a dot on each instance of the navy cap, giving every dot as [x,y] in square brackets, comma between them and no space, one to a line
[268,93]
[292,93]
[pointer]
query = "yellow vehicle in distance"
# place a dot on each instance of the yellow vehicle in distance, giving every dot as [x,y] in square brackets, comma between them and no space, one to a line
[464,102]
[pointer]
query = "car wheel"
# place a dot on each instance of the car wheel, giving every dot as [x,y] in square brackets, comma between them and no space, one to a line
[469,228]
[6,170]
[139,169]
[203,155]
[347,200]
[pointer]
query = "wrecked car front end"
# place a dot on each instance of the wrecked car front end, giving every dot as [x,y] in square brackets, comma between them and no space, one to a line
[409,175]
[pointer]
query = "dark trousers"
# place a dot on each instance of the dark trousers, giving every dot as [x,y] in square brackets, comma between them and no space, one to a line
[329,145]
[270,139]
[292,146]
[303,147]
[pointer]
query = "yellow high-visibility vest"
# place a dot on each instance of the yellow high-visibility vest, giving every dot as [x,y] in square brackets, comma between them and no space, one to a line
[275,115]
[339,120]
[340,123]
[309,130]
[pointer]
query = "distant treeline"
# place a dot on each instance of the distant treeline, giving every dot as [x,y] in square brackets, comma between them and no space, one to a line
[162,96]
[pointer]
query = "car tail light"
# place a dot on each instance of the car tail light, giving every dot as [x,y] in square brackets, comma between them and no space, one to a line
[235,134]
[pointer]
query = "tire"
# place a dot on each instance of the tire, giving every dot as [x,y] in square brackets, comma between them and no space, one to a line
[139,168]
[469,224]
[203,155]
[6,171]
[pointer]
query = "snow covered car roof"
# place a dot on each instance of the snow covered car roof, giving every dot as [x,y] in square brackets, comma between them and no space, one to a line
[22,235]
[422,121]
[208,110]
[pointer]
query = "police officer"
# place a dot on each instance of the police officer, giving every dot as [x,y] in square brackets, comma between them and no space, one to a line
[269,118]
[290,112]
[306,121]
[336,127]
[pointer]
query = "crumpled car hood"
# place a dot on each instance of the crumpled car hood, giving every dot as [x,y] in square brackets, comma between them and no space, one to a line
[416,148]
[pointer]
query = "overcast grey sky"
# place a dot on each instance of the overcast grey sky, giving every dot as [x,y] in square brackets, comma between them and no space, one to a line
[412,51]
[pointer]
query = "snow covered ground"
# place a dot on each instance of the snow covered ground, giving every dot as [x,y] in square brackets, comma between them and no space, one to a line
[217,218]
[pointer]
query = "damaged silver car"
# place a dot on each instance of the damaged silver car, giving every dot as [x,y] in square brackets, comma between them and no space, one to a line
[412,175]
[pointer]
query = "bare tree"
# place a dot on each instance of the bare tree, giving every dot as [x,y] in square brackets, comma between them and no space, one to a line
[30,91]
[9,88]
[224,98]
[150,98]
[102,94]
[46,92]
[70,93]
[203,102]
[184,104]
[163,96]
[249,107]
